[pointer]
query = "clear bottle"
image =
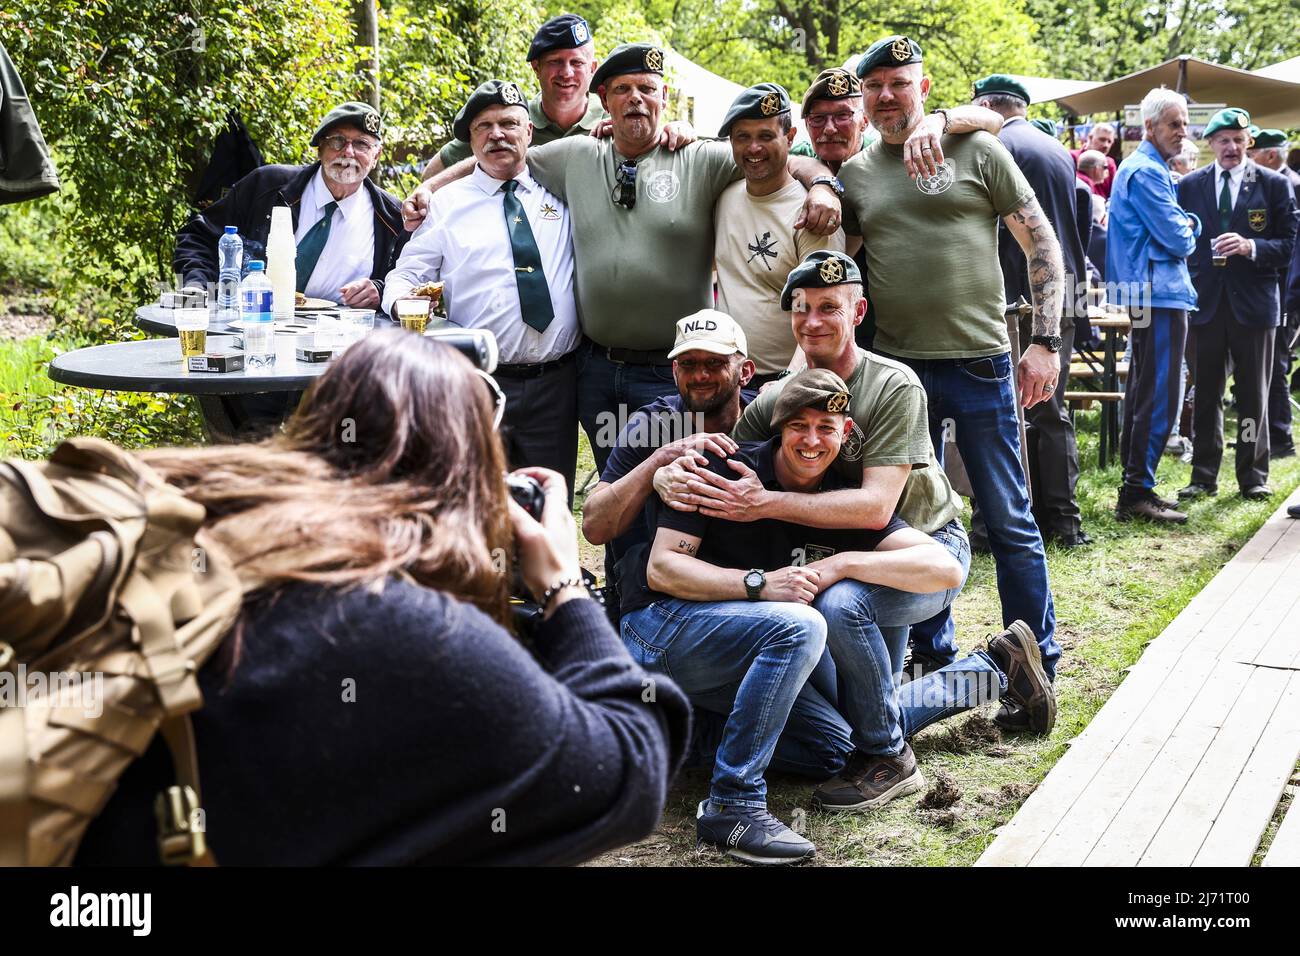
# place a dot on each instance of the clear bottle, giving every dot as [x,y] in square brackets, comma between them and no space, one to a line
[259,322]
[230,257]
[281,262]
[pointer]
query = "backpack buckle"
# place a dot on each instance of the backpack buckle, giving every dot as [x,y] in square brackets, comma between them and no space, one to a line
[180,826]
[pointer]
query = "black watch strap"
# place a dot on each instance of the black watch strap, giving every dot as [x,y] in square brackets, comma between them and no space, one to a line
[1050,342]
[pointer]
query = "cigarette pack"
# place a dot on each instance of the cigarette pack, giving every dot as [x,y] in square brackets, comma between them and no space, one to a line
[314,355]
[216,362]
[186,299]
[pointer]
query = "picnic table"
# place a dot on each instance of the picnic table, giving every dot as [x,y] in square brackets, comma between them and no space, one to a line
[1104,369]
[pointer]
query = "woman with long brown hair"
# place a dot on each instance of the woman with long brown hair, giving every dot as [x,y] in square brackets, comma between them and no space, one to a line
[370,705]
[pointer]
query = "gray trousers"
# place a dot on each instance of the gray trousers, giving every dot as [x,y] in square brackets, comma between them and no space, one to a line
[1250,350]
[540,427]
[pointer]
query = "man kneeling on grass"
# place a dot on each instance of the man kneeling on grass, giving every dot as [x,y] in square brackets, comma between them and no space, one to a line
[729,611]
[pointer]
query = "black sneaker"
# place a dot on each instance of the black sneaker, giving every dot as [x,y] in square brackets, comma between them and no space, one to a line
[1197,490]
[750,836]
[1018,655]
[868,782]
[1011,717]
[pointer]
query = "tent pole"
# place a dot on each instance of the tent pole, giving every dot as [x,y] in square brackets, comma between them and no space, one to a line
[1182,75]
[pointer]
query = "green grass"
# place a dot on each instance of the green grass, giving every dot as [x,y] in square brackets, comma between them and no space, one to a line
[1112,599]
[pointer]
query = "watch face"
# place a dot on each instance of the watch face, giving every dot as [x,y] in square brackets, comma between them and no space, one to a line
[753,579]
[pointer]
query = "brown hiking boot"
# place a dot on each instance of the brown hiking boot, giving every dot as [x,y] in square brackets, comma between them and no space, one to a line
[1148,508]
[1017,653]
[868,782]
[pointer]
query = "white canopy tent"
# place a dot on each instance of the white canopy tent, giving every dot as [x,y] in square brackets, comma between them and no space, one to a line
[1286,70]
[699,96]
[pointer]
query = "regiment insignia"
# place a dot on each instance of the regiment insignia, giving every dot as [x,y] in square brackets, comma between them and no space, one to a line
[510,95]
[1242,121]
[854,442]
[549,212]
[1258,219]
[769,104]
[901,49]
[372,122]
[831,271]
[654,60]
[580,34]
[663,186]
[838,85]
[939,182]
[838,402]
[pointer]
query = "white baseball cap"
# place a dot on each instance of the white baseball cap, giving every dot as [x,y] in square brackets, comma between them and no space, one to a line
[709,331]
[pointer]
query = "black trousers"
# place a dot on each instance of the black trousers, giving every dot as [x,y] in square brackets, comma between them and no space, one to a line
[540,426]
[1279,394]
[1250,349]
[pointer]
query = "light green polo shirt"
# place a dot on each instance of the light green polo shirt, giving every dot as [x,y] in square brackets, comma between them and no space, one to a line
[639,270]
[544,131]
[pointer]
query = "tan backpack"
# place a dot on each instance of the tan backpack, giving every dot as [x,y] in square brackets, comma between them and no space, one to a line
[111,599]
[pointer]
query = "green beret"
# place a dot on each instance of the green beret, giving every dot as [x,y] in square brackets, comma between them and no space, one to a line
[820,270]
[757,102]
[1253,130]
[1269,138]
[891,51]
[1046,125]
[1230,117]
[818,388]
[361,115]
[629,58]
[833,84]
[491,93]
[1002,83]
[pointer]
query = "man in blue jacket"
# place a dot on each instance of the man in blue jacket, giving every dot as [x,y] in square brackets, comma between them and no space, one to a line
[1149,239]
[1252,218]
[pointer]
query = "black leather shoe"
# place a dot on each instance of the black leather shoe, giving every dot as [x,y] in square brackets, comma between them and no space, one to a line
[1286,452]
[1257,493]
[1293,511]
[1196,490]
[1079,539]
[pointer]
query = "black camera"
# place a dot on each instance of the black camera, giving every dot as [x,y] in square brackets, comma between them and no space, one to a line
[528,494]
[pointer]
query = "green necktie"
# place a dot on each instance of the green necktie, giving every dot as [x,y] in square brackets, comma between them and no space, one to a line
[534,294]
[1225,202]
[313,244]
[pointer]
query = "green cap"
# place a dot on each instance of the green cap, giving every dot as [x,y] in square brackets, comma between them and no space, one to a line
[491,93]
[361,115]
[820,270]
[757,102]
[818,388]
[629,58]
[834,84]
[1003,83]
[1269,138]
[1046,125]
[1230,117]
[891,51]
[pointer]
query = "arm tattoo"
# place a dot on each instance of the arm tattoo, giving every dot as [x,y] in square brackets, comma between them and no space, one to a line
[1046,270]
[685,547]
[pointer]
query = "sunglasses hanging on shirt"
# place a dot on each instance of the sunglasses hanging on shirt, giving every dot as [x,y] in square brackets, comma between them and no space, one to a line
[624,192]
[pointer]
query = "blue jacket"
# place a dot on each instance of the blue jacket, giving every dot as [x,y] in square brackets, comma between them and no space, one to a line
[1265,213]
[1150,236]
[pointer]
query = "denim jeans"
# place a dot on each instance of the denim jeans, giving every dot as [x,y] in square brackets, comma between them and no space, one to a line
[747,659]
[982,413]
[608,392]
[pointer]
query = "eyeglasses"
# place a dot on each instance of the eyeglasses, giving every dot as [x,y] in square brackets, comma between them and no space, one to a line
[498,397]
[712,365]
[624,193]
[822,120]
[339,143]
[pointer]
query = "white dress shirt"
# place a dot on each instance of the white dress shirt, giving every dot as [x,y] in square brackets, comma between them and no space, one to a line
[464,242]
[1235,176]
[349,253]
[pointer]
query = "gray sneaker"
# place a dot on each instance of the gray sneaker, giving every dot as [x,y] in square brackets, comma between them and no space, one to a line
[750,835]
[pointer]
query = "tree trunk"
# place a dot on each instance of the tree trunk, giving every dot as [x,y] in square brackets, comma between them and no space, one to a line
[367,17]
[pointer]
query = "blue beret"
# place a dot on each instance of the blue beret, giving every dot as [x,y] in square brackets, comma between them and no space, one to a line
[568,31]
[1230,117]
[757,102]
[820,270]
[891,51]
[491,93]
[629,58]
[361,115]
[1002,83]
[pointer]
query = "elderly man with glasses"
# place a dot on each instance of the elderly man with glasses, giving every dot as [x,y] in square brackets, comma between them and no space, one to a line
[348,230]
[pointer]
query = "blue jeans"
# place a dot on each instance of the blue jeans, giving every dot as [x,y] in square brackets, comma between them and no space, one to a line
[608,392]
[746,659]
[982,413]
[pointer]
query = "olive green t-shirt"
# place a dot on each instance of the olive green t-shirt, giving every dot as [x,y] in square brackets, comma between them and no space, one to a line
[544,131]
[932,245]
[888,407]
[639,270]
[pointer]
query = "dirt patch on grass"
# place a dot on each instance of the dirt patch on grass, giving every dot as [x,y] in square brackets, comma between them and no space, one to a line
[943,793]
[976,734]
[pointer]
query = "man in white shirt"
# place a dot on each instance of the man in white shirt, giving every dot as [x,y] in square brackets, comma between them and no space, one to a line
[503,248]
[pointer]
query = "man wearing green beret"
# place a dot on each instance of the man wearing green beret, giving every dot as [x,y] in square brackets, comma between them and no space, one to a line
[931,250]
[1270,152]
[1237,268]
[348,230]
[756,244]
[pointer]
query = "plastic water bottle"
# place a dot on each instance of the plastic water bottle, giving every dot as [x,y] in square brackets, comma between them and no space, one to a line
[259,323]
[281,262]
[230,255]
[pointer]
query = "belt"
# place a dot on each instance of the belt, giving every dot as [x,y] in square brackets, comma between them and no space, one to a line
[535,370]
[634,356]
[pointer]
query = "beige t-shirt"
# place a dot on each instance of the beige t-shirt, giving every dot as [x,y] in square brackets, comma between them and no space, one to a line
[755,248]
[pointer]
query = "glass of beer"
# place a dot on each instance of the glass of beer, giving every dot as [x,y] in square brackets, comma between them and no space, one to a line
[413,313]
[192,327]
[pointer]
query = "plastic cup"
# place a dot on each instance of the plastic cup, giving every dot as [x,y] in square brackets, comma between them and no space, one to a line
[357,323]
[192,330]
[413,313]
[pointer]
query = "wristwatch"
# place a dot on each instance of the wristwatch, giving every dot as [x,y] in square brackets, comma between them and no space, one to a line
[1050,342]
[831,181]
[754,581]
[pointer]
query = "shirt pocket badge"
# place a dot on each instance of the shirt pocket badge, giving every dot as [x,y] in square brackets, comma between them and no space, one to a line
[549,212]
[1258,219]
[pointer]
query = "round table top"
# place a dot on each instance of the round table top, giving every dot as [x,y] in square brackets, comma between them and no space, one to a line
[154,365]
[160,321]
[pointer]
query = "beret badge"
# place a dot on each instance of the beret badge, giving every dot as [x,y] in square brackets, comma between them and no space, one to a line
[831,271]
[901,49]
[838,85]
[837,402]
[654,60]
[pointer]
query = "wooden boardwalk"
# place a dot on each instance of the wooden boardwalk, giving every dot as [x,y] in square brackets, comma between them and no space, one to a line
[1186,763]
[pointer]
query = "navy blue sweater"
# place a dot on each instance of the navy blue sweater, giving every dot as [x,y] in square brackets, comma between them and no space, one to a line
[460,746]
